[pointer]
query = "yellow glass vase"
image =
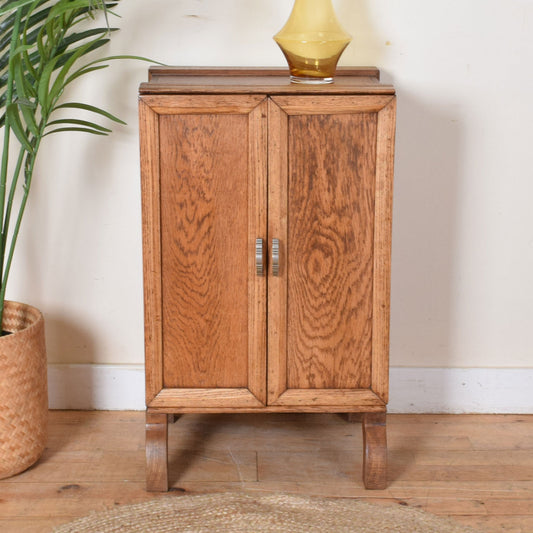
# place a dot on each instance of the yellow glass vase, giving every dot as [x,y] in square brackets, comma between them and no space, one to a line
[312,41]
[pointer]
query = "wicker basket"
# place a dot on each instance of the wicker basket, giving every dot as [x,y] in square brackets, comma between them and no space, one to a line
[23,389]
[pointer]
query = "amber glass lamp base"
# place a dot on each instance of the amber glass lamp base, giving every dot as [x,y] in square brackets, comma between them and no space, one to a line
[308,70]
[313,80]
[312,41]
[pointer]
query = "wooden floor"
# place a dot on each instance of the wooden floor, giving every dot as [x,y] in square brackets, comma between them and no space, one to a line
[476,469]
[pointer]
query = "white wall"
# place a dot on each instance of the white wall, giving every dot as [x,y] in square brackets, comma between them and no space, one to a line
[463,227]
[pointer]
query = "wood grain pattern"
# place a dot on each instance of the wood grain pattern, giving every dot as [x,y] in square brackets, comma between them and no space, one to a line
[242,401]
[257,228]
[330,242]
[204,257]
[476,469]
[277,228]
[210,217]
[359,399]
[209,80]
[156,452]
[263,85]
[215,397]
[375,451]
[149,152]
[239,189]
[331,104]
[318,206]
[203,104]
[303,407]
[327,157]
[382,249]
[163,71]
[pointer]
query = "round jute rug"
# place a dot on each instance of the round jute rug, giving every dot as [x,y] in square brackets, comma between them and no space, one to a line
[249,512]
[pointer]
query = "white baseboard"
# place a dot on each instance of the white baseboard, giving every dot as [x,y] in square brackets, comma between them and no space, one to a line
[461,390]
[412,390]
[99,387]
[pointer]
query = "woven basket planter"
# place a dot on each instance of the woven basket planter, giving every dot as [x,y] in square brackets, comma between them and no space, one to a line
[23,389]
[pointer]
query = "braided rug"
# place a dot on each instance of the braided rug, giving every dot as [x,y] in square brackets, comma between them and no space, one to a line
[249,512]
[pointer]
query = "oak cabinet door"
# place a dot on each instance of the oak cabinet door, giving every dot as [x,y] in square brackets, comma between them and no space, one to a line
[204,172]
[330,173]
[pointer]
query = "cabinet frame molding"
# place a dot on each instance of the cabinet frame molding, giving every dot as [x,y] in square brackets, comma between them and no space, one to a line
[382,249]
[280,109]
[150,108]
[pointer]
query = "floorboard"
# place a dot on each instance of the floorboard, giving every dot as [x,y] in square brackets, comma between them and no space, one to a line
[476,469]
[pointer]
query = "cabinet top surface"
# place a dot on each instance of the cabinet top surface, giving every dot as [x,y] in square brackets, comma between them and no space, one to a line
[196,80]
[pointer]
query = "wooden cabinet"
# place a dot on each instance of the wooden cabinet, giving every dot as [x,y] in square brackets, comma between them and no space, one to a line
[266,242]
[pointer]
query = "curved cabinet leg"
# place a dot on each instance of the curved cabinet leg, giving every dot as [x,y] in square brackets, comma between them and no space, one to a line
[375,450]
[156,452]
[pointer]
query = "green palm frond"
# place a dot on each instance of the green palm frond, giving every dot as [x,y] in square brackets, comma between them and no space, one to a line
[42,51]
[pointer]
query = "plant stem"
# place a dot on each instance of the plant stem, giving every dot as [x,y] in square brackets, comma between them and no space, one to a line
[5,153]
[12,190]
[28,175]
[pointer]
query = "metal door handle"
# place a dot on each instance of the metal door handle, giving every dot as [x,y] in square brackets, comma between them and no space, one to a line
[275,257]
[259,257]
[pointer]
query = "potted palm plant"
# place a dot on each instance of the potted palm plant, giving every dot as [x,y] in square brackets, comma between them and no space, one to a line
[44,46]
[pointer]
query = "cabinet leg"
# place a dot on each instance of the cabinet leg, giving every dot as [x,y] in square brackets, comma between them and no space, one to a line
[156,452]
[375,450]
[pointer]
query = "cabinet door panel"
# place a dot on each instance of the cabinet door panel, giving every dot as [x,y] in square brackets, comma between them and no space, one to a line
[323,209]
[204,214]
[330,240]
[212,186]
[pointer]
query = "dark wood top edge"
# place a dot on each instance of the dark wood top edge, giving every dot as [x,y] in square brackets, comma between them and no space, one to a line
[261,80]
[158,71]
[164,89]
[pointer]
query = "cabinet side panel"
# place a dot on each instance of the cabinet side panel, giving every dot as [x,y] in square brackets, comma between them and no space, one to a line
[330,237]
[204,239]
[149,145]
[382,249]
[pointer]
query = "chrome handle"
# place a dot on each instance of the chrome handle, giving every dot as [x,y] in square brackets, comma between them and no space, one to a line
[275,257]
[259,262]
